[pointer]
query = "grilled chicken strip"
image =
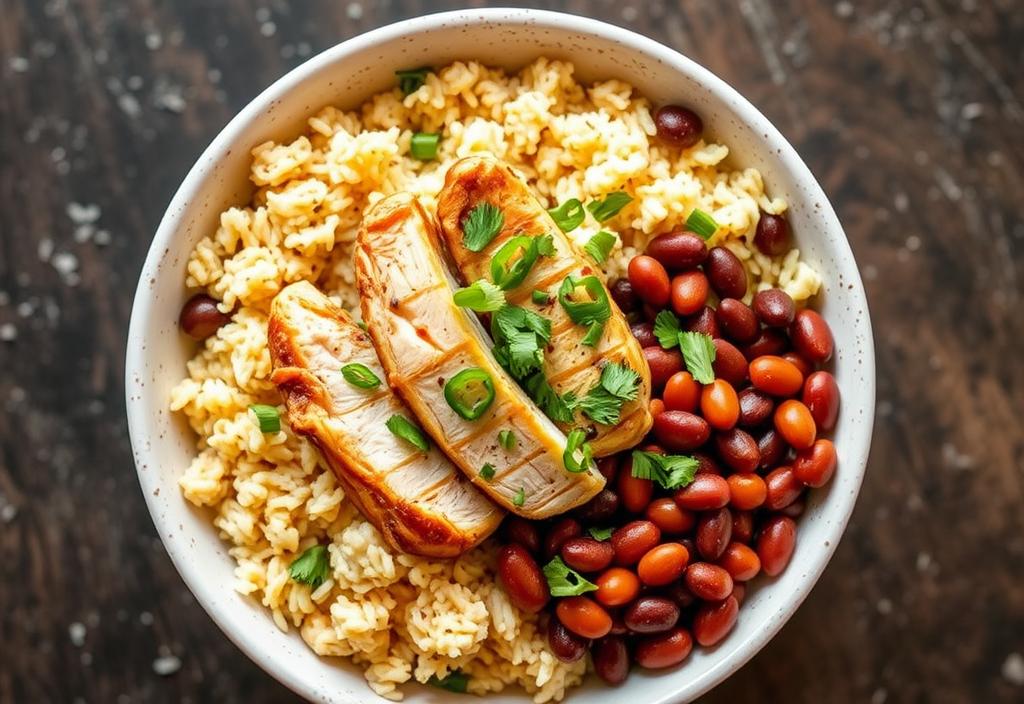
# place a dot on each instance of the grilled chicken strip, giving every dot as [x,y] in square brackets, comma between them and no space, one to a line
[424,339]
[569,365]
[420,502]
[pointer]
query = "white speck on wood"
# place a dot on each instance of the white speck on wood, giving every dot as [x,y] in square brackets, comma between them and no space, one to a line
[77,632]
[1013,669]
[166,665]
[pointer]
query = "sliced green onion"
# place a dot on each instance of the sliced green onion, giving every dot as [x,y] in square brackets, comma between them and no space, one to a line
[362,326]
[487,471]
[593,312]
[512,262]
[575,443]
[701,223]
[520,498]
[540,298]
[267,417]
[424,145]
[410,80]
[481,296]
[360,376]
[593,335]
[507,439]
[569,215]
[609,207]
[600,246]
[470,393]
[404,428]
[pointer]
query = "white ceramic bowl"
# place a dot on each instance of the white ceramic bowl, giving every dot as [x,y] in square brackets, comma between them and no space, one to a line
[347,74]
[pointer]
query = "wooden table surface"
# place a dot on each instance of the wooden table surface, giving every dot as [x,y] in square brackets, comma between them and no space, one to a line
[910,112]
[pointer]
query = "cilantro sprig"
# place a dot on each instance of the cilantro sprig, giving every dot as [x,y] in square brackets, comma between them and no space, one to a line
[603,403]
[481,296]
[565,581]
[609,206]
[699,355]
[482,225]
[669,471]
[312,567]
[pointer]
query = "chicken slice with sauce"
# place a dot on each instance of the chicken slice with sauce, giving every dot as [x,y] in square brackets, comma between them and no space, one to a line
[570,366]
[419,501]
[424,340]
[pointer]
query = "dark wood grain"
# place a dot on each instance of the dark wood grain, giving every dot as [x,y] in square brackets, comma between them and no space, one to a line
[911,114]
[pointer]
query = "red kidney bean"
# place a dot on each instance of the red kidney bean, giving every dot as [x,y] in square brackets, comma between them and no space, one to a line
[608,467]
[689,292]
[706,492]
[815,465]
[678,126]
[703,322]
[201,318]
[678,593]
[796,425]
[770,341]
[726,273]
[649,280]
[651,614]
[729,364]
[616,586]
[623,295]
[681,393]
[521,576]
[618,625]
[738,449]
[522,532]
[772,448]
[739,591]
[812,336]
[611,659]
[746,491]
[680,431]
[740,561]
[663,364]
[783,488]
[583,616]
[755,407]
[775,544]
[678,250]
[644,334]
[821,396]
[714,531]
[795,509]
[774,375]
[772,234]
[663,650]
[562,530]
[706,464]
[742,526]
[587,554]
[737,320]
[663,564]
[799,362]
[708,582]
[774,307]
[600,508]
[712,622]
[669,518]
[633,540]
[634,493]
[565,645]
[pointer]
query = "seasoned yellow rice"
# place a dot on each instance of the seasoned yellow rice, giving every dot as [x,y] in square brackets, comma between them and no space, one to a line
[397,616]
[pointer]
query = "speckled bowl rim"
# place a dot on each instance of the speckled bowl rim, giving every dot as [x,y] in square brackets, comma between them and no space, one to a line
[731,655]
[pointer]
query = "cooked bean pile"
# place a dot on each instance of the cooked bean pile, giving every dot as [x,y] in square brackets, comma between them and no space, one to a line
[675,567]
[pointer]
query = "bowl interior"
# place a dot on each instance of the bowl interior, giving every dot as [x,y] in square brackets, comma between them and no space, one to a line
[345,76]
